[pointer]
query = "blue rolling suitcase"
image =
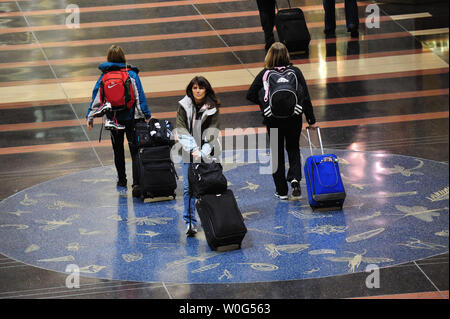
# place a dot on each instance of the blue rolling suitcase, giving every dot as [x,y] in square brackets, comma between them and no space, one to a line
[323,179]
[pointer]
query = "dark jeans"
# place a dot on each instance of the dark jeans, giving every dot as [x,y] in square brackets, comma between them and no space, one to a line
[289,136]
[117,139]
[351,14]
[267,15]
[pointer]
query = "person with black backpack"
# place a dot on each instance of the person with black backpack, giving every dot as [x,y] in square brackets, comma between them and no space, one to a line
[118,96]
[281,92]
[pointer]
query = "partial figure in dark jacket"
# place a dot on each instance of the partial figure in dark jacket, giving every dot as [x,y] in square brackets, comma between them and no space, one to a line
[266,10]
[284,129]
[197,131]
[351,17]
[124,121]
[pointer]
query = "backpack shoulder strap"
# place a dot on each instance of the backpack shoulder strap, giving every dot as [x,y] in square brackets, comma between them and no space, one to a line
[266,85]
[266,82]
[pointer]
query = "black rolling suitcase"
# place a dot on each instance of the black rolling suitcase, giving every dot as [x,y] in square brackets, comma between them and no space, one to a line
[157,174]
[221,220]
[292,29]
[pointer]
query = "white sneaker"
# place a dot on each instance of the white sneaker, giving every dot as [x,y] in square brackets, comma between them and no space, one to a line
[191,230]
[113,125]
[101,110]
[282,197]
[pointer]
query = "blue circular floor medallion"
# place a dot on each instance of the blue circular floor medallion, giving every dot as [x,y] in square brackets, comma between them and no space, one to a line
[396,211]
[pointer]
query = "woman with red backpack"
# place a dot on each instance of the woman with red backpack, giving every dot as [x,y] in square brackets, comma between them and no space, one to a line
[118,96]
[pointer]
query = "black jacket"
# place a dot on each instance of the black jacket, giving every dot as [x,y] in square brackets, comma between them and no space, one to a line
[257,85]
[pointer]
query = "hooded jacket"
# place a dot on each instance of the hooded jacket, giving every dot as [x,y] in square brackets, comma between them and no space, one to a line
[140,110]
[195,134]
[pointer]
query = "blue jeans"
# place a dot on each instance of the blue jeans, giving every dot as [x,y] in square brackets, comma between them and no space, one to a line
[193,220]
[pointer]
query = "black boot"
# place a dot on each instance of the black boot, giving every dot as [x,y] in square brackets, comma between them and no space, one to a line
[353,31]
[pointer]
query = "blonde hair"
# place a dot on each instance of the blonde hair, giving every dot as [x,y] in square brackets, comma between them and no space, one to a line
[277,55]
[115,54]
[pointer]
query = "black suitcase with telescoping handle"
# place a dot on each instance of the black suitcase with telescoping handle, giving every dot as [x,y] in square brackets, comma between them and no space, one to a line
[292,29]
[216,206]
[157,174]
[221,220]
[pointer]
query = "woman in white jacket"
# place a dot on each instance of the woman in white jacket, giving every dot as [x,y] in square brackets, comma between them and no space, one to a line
[197,129]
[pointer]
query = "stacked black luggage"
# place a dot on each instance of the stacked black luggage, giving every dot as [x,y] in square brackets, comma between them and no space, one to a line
[216,206]
[292,29]
[157,174]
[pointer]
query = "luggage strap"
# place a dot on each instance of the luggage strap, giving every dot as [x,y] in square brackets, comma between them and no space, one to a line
[315,165]
[101,130]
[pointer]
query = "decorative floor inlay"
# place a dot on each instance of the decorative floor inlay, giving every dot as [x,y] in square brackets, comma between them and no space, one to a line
[396,211]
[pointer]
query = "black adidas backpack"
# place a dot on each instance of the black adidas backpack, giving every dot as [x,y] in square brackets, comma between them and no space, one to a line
[282,93]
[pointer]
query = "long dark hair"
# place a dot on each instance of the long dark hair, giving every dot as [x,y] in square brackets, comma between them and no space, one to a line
[210,95]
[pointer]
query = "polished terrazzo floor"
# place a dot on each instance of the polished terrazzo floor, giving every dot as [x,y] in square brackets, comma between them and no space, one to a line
[109,234]
[381,101]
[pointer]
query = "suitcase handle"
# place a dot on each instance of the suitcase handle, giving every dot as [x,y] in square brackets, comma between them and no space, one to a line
[309,139]
[278,9]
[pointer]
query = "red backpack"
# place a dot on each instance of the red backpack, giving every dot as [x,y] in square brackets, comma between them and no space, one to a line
[116,88]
